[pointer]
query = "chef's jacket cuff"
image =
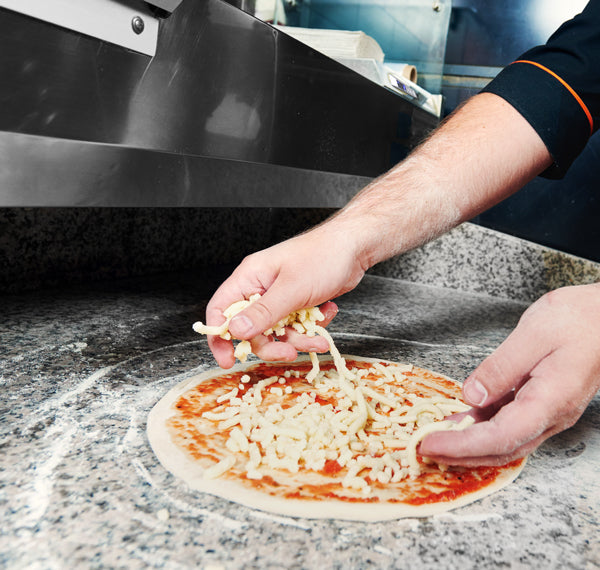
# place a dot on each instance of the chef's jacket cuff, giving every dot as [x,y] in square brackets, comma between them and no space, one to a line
[550,106]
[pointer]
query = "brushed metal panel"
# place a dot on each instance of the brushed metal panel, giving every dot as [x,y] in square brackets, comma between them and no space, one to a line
[109,20]
[38,171]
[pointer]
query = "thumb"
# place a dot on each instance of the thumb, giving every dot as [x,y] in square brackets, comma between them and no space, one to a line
[506,369]
[276,303]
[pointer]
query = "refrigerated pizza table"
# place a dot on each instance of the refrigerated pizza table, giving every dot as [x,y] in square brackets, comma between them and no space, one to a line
[81,368]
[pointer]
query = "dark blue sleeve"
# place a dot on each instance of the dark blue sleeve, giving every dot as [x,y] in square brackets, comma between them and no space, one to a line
[556,87]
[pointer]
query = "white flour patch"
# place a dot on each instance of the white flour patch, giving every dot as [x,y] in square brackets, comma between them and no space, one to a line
[151,521]
[231,524]
[142,472]
[81,387]
[280,520]
[93,379]
[411,342]
[383,550]
[37,494]
[408,524]
[346,535]
[186,507]
[461,519]
[28,354]
[130,437]
[75,346]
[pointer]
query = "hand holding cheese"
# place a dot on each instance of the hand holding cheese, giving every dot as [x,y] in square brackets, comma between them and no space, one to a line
[298,328]
[288,276]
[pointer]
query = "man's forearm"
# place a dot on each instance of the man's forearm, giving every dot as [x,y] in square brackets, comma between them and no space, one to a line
[485,152]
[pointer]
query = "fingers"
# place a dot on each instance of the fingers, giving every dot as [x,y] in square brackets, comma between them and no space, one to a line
[266,349]
[552,399]
[222,351]
[275,304]
[236,288]
[483,414]
[491,460]
[233,289]
[304,343]
[495,441]
[537,383]
[288,291]
[329,310]
[288,276]
[507,368]
[285,348]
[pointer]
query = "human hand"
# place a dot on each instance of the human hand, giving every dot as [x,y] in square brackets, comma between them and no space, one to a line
[536,384]
[304,271]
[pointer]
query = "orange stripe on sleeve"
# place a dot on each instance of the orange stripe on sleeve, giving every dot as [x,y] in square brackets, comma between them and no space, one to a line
[569,88]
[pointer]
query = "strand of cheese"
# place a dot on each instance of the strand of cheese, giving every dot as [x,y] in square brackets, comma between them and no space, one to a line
[220,468]
[419,435]
[222,330]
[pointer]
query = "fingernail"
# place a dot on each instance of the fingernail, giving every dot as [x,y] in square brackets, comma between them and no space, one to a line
[242,324]
[475,392]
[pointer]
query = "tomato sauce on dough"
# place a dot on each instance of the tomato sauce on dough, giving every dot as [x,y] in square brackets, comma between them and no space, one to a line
[203,441]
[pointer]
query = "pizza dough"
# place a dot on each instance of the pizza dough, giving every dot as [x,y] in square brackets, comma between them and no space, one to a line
[261,435]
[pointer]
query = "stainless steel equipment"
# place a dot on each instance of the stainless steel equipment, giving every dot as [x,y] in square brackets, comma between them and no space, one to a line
[129,25]
[229,112]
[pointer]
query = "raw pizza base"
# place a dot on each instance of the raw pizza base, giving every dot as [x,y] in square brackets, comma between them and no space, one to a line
[182,463]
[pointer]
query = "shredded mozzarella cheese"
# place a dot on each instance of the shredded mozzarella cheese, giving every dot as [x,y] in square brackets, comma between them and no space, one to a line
[370,431]
[373,445]
[303,321]
[220,468]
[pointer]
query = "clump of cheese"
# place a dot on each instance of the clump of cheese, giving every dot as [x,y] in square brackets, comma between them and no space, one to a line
[303,321]
[371,431]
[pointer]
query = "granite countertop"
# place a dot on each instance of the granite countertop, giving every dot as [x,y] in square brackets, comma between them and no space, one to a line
[80,487]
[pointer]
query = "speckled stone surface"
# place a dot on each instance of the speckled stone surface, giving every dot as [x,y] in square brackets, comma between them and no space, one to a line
[81,488]
[474,258]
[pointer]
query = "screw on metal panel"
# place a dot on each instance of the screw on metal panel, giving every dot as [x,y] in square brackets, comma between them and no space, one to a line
[137,24]
[436,6]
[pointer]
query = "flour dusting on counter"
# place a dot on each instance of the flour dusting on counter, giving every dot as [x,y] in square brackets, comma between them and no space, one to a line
[36,495]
